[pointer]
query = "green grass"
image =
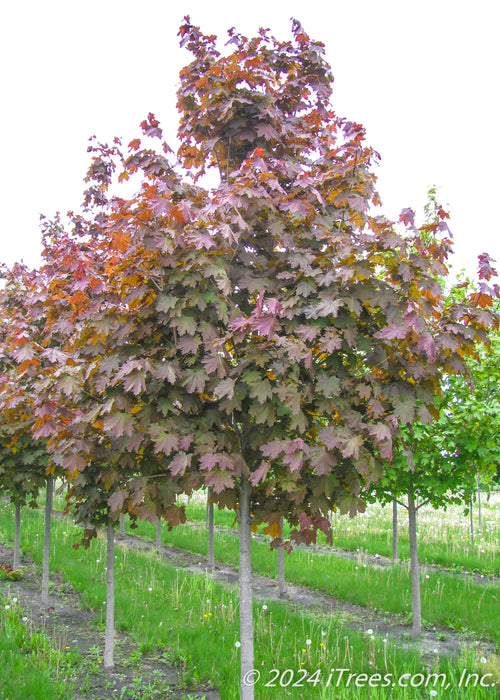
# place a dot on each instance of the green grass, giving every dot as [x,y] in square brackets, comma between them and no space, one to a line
[447,600]
[29,666]
[444,537]
[194,621]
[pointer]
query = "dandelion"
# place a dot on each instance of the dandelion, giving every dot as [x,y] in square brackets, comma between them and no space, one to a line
[66,647]
[427,576]
[370,632]
[308,642]
[433,693]
[264,608]
[436,651]
[150,589]
[14,600]
[25,619]
[7,607]
[483,660]
[237,644]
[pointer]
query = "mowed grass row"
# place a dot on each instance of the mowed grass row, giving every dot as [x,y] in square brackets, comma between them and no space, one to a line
[453,601]
[444,535]
[194,622]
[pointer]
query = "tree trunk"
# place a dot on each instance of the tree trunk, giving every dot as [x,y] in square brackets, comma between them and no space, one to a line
[122,524]
[245,581]
[478,481]
[415,573]
[210,526]
[17,539]
[109,632]
[158,535]
[472,521]
[46,540]
[395,553]
[281,566]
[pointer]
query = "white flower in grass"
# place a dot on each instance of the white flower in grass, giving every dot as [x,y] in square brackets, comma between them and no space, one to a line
[308,642]
[483,660]
[14,600]
[150,589]
[436,651]
[25,619]
[7,607]
[370,632]
[264,608]
[433,693]
[237,644]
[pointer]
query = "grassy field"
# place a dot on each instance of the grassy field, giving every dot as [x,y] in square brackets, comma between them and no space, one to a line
[195,621]
[453,601]
[444,536]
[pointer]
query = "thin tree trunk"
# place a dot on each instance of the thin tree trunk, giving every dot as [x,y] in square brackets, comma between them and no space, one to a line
[109,632]
[414,568]
[478,481]
[472,521]
[158,535]
[122,524]
[46,540]
[281,566]
[245,581]
[210,526]
[17,539]
[395,553]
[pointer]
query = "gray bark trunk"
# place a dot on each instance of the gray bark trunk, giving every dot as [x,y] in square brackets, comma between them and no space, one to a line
[478,480]
[245,581]
[210,526]
[281,566]
[109,632]
[122,524]
[472,521]
[415,572]
[17,539]
[46,540]
[395,553]
[158,535]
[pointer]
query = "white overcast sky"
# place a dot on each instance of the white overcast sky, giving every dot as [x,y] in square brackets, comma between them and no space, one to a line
[423,78]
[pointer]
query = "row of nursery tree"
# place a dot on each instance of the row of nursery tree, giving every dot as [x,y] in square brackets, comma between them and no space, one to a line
[272,337]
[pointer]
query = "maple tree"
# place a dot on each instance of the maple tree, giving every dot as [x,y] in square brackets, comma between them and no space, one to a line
[25,466]
[265,337]
[436,461]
